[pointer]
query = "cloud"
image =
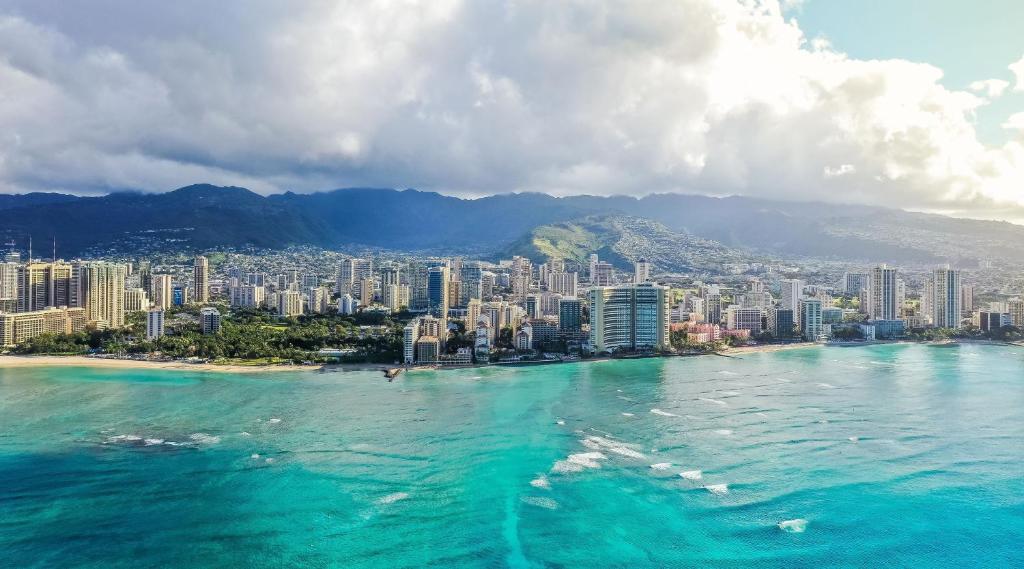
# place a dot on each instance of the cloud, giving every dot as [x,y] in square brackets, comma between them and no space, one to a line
[841,170]
[1018,72]
[471,98]
[1015,122]
[993,88]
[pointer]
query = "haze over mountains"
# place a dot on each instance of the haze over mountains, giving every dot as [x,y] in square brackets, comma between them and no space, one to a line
[207,217]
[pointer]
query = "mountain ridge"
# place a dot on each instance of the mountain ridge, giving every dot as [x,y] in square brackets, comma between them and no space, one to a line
[204,216]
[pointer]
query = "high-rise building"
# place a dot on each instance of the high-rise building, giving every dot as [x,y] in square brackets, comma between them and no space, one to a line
[792,292]
[163,296]
[533,306]
[563,283]
[739,318]
[289,303]
[853,283]
[154,324]
[318,299]
[209,320]
[351,272]
[437,291]
[641,271]
[248,296]
[1015,308]
[18,327]
[629,317]
[9,281]
[346,304]
[44,285]
[945,300]
[603,274]
[967,298]
[810,319]
[135,300]
[780,322]
[418,277]
[201,279]
[366,292]
[883,294]
[101,288]
[712,307]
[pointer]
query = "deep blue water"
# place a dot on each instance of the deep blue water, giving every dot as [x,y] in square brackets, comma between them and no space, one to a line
[898,456]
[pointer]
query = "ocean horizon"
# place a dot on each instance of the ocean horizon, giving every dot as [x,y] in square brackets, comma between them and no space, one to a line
[888,455]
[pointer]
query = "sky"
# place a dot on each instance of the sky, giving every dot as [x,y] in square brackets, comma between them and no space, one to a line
[906,103]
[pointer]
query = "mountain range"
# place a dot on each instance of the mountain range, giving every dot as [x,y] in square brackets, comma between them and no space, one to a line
[201,217]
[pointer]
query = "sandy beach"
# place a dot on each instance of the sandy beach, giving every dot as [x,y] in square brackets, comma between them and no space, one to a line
[111,363]
[740,350]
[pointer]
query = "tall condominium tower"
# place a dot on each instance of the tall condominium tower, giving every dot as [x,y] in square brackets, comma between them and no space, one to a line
[641,271]
[792,290]
[629,317]
[883,293]
[945,301]
[42,285]
[102,293]
[437,291]
[201,278]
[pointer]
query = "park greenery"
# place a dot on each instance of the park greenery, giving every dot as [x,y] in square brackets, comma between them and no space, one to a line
[247,335]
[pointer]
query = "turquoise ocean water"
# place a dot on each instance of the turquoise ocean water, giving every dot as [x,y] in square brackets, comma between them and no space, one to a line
[885,456]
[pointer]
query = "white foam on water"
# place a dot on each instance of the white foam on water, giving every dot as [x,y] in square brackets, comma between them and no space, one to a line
[793,526]
[123,439]
[826,386]
[727,372]
[254,456]
[245,434]
[853,439]
[392,498]
[274,421]
[269,460]
[151,442]
[715,401]
[540,502]
[663,413]
[823,421]
[760,414]
[662,466]
[579,462]
[691,474]
[730,393]
[602,444]
[782,380]
[724,432]
[624,398]
[560,422]
[541,482]
[204,439]
[624,414]
[718,489]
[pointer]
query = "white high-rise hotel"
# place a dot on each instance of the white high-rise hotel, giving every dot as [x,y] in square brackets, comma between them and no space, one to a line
[945,302]
[629,317]
[883,294]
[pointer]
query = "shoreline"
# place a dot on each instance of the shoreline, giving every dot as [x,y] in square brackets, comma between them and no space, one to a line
[32,361]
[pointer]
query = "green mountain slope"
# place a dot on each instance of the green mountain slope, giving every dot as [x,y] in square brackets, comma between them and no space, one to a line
[621,240]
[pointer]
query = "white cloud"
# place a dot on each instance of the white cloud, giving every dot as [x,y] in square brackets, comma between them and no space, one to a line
[1018,72]
[993,88]
[474,97]
[1015,122]
[841,170]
